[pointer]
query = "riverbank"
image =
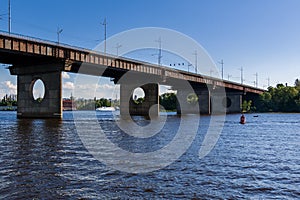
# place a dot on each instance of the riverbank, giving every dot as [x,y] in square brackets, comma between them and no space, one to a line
[8,108]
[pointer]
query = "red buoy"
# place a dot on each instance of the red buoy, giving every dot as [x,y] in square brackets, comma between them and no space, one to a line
[243,119]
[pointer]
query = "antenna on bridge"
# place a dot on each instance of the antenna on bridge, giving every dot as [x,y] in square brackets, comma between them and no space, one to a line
[105,25]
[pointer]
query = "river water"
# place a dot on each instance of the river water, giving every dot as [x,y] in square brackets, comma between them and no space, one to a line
[46,159]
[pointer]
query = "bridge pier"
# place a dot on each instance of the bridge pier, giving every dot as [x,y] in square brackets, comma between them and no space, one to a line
[150,105]
[233,102]
[200,106]
[209,101]
[51,104]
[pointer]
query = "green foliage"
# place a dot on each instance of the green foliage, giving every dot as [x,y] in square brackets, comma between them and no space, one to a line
[192,98]
[281,99]
[246,106]
[168,101]
[139,100]
[102,103]
[9,100]
[39,100]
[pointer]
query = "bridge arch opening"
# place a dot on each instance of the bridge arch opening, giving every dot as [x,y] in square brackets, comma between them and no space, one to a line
[226,102]
[138,95]
[38,90]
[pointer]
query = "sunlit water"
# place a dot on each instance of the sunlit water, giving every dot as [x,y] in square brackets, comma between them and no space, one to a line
[45,159]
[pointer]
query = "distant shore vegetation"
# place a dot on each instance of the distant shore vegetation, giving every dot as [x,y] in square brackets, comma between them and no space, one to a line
[282,98]
[9,100]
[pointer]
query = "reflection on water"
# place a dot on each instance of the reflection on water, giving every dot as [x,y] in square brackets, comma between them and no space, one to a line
[45,159]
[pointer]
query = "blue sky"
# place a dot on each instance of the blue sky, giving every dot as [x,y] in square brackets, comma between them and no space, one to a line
[261,36]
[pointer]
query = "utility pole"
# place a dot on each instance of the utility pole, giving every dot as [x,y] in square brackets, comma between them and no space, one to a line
[9,17]
[117,47]
[242,78]
[104,24]
[159,51]
[229,76]
[189,64]
[211,72]
[222,64]
[196,61]
[256,79]
[59,31]
[268,81]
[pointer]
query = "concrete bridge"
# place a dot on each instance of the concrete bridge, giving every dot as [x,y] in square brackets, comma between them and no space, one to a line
[34,59]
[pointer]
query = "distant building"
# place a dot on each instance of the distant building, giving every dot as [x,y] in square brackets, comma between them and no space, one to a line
[69,104]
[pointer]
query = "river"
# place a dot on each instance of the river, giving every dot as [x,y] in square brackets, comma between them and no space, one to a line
[46,159]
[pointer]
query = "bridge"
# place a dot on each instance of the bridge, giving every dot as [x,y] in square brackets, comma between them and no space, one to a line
[32,59]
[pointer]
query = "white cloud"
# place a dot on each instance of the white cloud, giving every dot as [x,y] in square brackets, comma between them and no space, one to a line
[107,86]
[10,87]
[65,75]
[68,85]
[89,91]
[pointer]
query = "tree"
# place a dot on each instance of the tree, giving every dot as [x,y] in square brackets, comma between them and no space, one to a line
[282,98]
[246,106]
[297,82]
[168,101]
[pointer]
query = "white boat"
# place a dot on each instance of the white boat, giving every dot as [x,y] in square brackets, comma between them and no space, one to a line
[106,109]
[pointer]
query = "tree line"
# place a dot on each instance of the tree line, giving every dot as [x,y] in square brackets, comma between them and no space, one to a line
[9,100]
[282,98]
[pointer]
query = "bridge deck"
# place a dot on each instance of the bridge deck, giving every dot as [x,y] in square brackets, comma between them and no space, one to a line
[20,50]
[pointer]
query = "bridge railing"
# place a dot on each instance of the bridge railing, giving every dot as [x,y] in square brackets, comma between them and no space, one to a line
[175,73]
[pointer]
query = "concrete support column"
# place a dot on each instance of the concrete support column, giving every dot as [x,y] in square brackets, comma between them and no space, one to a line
[150,106]
[204,102]
[202,106]
[50,106]
[228,102]
[234,102]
